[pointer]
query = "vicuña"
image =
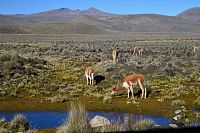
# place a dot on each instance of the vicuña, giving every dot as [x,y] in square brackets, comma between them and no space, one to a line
[89,74]
[129,82]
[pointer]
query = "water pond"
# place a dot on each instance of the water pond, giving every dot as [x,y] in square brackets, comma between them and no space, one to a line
[53,119]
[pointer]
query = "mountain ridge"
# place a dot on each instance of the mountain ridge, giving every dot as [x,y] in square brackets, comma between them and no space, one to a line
[102,22]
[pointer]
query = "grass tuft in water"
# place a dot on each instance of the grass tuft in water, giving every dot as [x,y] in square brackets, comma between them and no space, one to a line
[77,120]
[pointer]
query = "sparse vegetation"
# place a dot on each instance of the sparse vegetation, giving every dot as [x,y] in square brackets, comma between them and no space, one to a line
[178,102]
[107,99]
[117,128]
[50,69]
[59,98]
[78,122]
[144,124]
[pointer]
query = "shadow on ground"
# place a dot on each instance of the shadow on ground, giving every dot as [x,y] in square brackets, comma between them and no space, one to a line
[99,78]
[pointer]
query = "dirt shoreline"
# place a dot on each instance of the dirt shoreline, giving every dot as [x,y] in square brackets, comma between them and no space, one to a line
[91,104]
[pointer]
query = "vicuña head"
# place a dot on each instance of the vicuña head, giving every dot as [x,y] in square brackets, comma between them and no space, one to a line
[129,82]
[116,90]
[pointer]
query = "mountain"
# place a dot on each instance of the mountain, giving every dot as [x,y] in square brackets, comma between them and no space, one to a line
[192,15]
[152,23]
[59,15]
[96,13]
[94,21]
[8,19]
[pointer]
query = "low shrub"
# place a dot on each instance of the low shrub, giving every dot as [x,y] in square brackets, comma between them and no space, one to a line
[58,99]
[107,99]
[178,102]
[198,101]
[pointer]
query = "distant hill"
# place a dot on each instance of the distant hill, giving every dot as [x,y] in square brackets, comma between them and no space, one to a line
[94,21]
[64,28]
[140,23]
[50,28]
[191,15]
[11,28]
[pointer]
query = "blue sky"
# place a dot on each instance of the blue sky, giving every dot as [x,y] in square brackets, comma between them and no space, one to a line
[165,7]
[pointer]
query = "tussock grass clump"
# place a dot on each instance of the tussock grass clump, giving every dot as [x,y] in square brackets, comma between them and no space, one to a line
[77,121]
[58,99]
[117,128]
[197,104]
[98,96]
[178,102]
[168,97]
[19,122]
[198,100]
[194,124]
[107,99]
[144,124]
[2,120]
[3,130]
[32,131]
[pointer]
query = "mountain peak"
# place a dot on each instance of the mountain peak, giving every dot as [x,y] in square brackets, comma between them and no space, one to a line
[191,15]
[95,12]
[190,11]
[59,10]
[92,9]
[64,9]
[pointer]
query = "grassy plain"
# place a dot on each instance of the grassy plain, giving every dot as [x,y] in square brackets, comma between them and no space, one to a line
[46,72]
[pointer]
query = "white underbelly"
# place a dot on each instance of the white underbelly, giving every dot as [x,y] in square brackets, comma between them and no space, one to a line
[126,85]
[133,83]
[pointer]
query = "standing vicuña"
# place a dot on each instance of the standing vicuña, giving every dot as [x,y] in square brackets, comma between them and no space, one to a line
[139,50]
[89,73]
[195,48]
[128,83]
[115,55]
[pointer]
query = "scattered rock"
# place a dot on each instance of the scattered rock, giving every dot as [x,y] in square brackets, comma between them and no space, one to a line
[99,121]
[178,111]
[177,117]
[173,125]
[157,125]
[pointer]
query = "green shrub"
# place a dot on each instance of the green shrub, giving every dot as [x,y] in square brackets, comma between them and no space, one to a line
[198,100]
[168,97]
[107,99]
[178,102]
[58,99]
